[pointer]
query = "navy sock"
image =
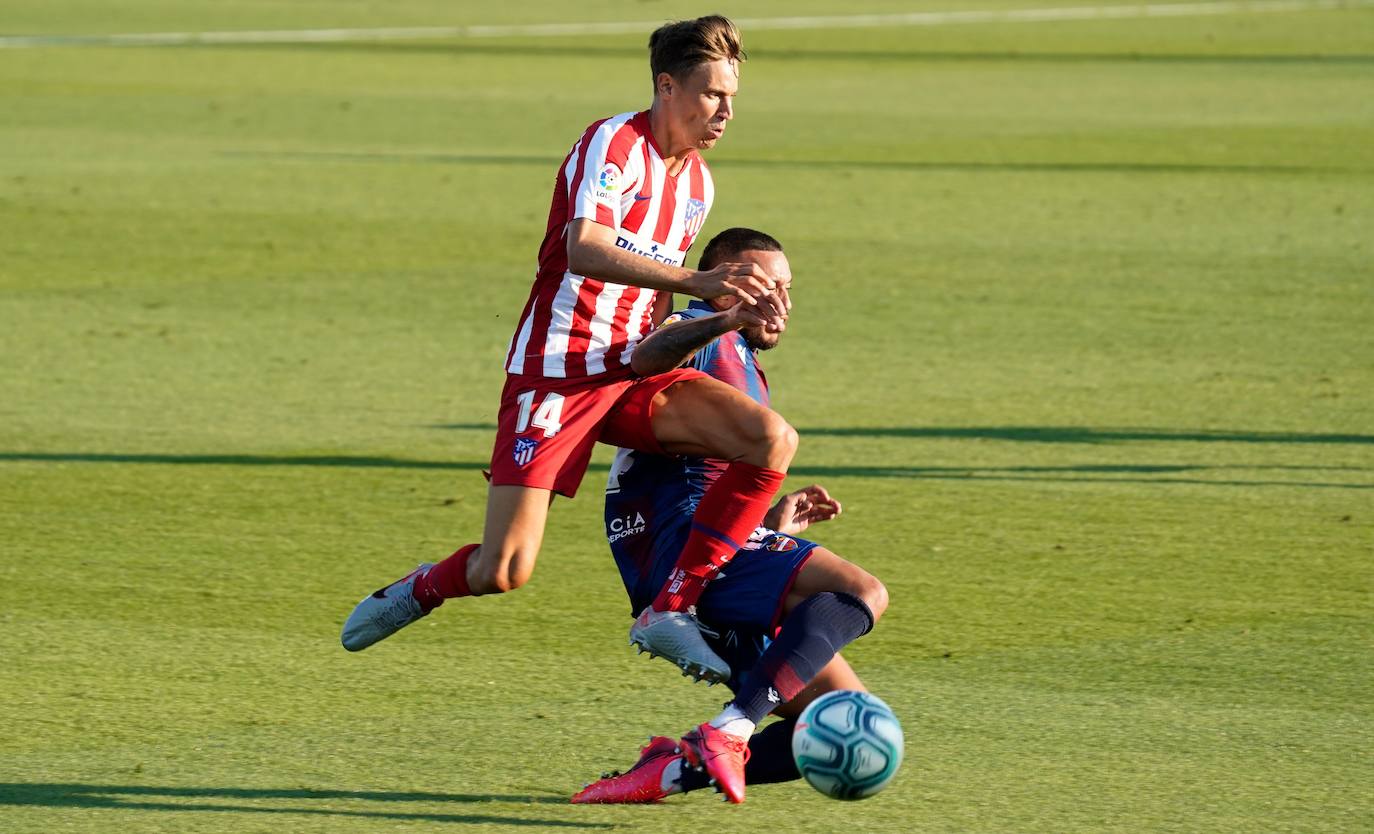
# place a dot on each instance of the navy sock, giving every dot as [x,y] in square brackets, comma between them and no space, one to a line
[770,755]
[770,759]
[810,636]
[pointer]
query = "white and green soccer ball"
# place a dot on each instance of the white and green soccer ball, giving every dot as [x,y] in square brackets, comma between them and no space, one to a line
[847,744]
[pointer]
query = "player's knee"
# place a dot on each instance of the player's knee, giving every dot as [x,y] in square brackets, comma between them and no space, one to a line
[875,596]
[872,592]
[778,436]
[510,579]
[499,576]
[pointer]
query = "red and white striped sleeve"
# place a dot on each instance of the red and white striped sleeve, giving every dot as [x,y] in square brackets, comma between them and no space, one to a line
[602,169]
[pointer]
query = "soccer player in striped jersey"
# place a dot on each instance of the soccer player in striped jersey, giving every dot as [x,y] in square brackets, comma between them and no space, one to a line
[780,610]
[628,202]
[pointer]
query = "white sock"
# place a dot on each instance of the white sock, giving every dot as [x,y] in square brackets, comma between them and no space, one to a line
[733,721]
[672,777]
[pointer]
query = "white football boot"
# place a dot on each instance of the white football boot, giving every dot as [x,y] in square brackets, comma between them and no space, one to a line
[385,612]
[676,636]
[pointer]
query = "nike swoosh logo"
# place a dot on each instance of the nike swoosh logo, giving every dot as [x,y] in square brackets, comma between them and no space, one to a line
[644,197]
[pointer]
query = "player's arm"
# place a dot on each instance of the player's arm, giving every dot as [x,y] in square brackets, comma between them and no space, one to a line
[663,305]
[592,251]
[676,342]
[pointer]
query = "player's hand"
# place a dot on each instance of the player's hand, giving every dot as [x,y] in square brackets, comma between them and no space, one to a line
[748,282]
[739,316]
[798,510]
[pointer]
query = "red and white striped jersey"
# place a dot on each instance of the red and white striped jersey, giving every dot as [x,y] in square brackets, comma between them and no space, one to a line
[575,325]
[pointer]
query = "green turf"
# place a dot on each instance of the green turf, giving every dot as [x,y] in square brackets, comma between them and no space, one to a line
[1082,340]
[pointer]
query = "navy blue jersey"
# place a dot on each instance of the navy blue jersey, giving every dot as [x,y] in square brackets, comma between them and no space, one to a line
[650,498]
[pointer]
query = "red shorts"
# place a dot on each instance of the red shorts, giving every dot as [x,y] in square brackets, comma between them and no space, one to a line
[547,427]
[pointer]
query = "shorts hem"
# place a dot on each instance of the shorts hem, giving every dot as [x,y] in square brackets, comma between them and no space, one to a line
[776,623]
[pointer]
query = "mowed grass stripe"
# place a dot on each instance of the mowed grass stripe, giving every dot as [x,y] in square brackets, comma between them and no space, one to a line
[536,30]
[247,382]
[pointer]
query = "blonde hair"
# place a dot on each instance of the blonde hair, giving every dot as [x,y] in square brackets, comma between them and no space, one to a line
[678,48]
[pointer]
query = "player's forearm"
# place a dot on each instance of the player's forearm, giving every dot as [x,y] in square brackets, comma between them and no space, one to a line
[670,347]
[607,262]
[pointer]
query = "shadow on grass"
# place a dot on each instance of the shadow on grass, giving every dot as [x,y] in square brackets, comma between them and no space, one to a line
[349,461]
[1048,434]
[1081,434]
[1081,473]
[152,798]
[1087,473]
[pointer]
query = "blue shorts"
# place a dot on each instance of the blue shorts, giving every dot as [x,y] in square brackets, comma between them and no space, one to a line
[743,604]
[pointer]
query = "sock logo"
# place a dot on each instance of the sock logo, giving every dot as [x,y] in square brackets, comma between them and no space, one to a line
[773,696]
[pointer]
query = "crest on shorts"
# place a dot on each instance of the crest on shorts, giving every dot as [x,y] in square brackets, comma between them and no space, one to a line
[524,450]
[782,544]
[693,219]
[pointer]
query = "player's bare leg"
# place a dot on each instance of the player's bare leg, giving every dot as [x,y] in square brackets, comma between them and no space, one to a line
[514,532]
[661,771]
[766,756]
[832,603]
[824,570]
[707,418]
[516,516]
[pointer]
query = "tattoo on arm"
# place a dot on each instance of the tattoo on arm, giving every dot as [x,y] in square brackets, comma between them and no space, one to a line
[672,346]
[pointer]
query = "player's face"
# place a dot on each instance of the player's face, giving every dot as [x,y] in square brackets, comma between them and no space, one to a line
[700,104]
[775,264]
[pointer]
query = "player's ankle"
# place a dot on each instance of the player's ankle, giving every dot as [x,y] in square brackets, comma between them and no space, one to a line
[425,594]
[674,778]
[680,592]
[733,721]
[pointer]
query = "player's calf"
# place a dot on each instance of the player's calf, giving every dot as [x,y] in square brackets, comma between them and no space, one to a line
[511,539]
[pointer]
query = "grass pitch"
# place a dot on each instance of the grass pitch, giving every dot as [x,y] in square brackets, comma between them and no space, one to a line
[1082,343]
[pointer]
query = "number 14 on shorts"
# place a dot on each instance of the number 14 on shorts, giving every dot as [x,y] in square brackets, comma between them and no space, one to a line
[547,416]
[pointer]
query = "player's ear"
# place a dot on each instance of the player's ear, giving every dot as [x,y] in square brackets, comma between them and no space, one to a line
[664,85]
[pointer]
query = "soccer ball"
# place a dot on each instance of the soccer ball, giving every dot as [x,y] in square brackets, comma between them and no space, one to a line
[847,744]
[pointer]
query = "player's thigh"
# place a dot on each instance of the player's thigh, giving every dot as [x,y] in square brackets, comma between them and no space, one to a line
[546,430]
[837,674]
[826,571]
[704,417]
[514,532]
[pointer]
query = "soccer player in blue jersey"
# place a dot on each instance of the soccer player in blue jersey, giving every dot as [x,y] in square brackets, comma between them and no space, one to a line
[780,609]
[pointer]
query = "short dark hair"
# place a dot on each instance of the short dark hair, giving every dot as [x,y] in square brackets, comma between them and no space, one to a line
[678,48]
[731,242]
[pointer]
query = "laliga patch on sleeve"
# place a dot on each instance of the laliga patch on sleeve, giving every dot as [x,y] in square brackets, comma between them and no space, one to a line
[607,181]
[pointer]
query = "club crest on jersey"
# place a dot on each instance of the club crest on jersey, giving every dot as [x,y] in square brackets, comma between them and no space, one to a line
[782,544]
[693,218]
[524,450]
